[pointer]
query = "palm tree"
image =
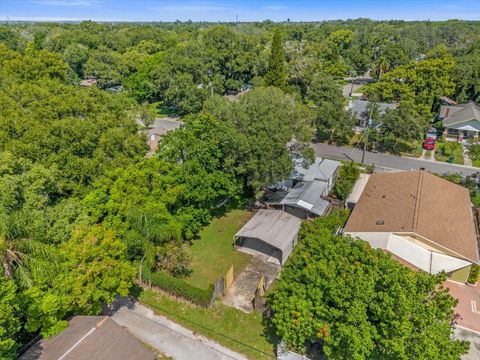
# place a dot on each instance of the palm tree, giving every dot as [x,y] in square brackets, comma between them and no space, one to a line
[22,256]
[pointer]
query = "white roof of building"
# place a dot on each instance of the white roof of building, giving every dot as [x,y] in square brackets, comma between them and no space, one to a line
[358,188]
[308,195]
[321,169]
[275,227]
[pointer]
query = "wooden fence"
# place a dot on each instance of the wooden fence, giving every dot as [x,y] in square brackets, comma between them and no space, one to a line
[259,301]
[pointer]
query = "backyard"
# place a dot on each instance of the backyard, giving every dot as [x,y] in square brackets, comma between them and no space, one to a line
[213,253]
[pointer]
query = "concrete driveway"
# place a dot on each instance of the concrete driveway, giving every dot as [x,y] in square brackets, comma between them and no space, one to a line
[242,291]
[473,338]
[170,338]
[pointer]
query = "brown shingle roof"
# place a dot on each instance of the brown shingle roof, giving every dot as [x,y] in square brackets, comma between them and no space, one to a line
[418,202]
[109,341]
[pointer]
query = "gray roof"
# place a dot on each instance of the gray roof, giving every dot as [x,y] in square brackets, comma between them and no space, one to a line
[359,108]
[459,113]
[275,227]
[90,337]
[321,169]
[307,195]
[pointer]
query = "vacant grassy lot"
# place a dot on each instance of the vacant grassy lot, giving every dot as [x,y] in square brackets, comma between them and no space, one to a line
[213,253]
[239,331]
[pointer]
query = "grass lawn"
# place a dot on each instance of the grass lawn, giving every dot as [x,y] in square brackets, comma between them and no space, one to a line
[476,163]
[213,253]
[163,110]
[413,149]
[230,327]
[445,149]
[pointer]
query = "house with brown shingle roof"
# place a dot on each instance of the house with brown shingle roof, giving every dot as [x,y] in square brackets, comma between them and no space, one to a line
[88,338]
[421,219]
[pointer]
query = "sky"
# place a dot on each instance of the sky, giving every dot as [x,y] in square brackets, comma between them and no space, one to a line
[229,10]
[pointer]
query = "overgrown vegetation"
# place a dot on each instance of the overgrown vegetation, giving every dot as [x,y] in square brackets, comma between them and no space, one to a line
[179,287]
[449,151]
[348,174]
[339,297]
[474,275]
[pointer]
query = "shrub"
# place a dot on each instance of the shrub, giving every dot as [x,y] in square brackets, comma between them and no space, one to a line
[474,273]
[347,176]
[179,287]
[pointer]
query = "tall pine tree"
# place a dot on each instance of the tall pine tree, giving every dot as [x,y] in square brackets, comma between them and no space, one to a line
[275,75]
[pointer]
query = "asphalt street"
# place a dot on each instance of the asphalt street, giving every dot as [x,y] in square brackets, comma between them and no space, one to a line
[386,162]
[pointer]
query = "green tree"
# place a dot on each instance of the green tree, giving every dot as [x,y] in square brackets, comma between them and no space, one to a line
[275,75]
[9,318]
[339,295]
[400,125]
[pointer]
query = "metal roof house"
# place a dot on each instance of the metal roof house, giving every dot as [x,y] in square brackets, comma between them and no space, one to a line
[306,199]
[305,191]
[423,220]
[322,169]
[269,232]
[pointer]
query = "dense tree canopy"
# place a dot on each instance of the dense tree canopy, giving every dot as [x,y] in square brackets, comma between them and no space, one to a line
[338,295]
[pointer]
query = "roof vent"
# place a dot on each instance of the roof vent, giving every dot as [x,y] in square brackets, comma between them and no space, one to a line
[380,222]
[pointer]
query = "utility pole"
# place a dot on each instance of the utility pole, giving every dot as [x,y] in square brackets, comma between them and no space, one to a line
[369,122]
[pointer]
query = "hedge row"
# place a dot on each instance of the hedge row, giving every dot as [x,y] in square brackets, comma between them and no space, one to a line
[179,287]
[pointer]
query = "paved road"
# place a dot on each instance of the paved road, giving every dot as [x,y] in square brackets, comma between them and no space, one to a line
[386,162]
[170,338]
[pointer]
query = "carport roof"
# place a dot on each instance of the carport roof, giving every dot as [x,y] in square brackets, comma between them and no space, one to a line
[274,227]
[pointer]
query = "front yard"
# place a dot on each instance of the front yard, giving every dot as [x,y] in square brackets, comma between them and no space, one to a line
[230,327]
[213,253]
[445,150]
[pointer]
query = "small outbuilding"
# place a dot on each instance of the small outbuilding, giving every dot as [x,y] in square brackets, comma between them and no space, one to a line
[269,232]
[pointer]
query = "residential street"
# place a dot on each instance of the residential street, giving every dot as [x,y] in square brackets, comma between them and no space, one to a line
[170,338]
[389,162]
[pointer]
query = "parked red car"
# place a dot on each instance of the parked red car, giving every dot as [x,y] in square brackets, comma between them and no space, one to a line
[429,144]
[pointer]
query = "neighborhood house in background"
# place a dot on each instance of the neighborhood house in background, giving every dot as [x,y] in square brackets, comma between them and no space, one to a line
[360,109]
[424,221]
[461,121]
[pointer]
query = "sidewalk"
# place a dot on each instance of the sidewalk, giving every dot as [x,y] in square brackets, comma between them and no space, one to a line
[169,337]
